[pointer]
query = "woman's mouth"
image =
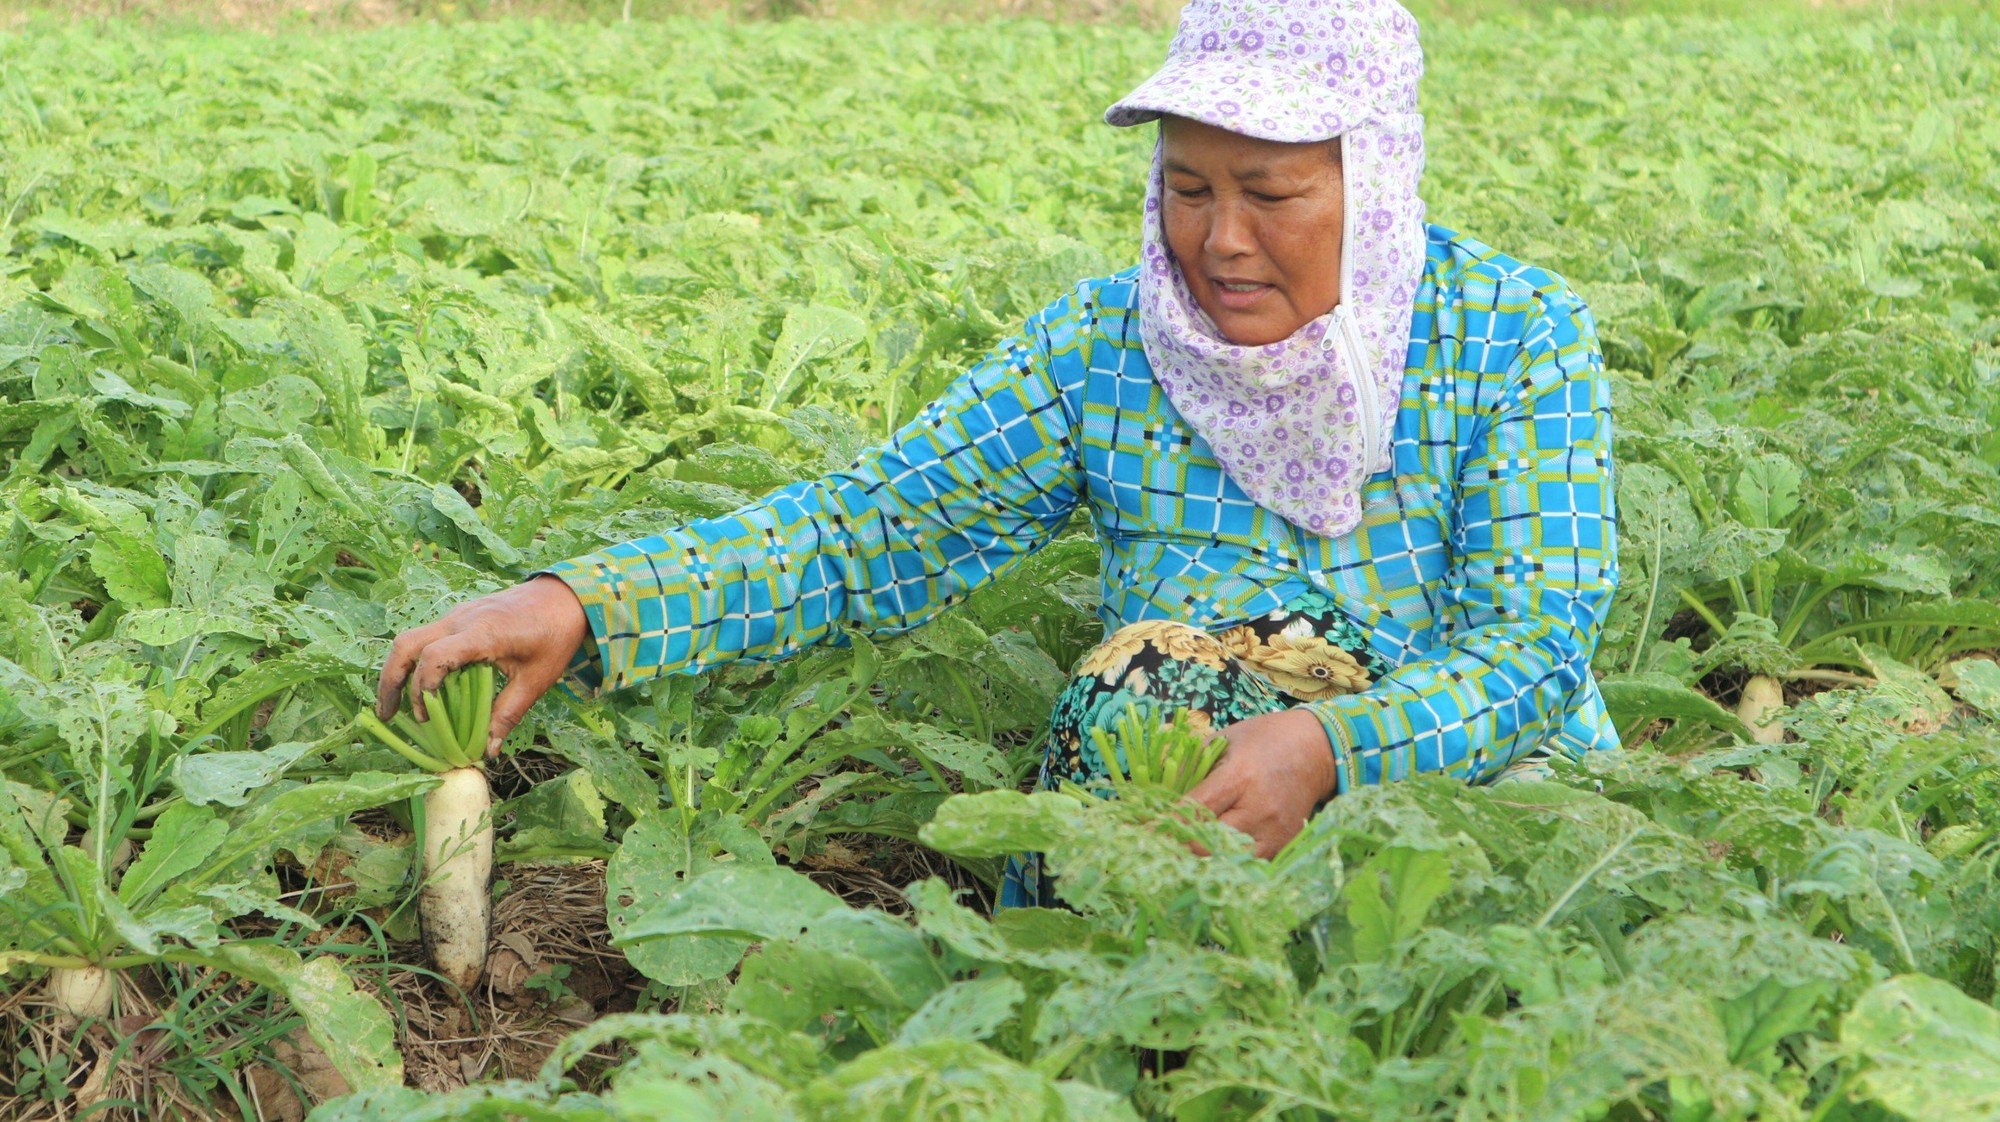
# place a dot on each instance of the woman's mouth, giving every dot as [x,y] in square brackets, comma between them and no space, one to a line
[1239,295]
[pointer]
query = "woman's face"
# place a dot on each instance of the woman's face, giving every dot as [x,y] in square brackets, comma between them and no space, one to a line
[1255,225]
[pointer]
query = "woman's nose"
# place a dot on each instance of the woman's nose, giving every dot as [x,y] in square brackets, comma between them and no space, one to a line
[1230,231]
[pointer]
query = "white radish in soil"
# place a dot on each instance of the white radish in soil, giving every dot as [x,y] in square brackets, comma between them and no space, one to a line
[81,992]
[455,907]
[1763,699]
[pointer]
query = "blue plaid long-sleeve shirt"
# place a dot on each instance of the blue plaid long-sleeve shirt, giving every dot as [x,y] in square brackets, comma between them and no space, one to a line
[1482,569]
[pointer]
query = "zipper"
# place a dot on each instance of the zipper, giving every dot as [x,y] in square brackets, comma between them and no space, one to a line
[1345,337]
[1364,388]
[1347,333]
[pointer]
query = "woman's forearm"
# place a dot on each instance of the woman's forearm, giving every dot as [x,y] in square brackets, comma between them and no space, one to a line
[1470,710]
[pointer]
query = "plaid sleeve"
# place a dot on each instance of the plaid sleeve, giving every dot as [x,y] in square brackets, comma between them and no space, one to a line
[1533,572]
[982,477]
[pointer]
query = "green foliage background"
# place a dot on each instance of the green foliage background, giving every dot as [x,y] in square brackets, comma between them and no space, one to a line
[302,339]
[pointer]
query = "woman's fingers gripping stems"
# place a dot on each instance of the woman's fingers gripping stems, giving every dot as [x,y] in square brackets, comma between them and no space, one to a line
[403,655]
[441,657]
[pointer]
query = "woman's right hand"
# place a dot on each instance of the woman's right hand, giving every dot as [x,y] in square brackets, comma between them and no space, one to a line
[529,632]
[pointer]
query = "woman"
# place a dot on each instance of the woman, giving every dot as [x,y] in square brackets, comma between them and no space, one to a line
[1351,473]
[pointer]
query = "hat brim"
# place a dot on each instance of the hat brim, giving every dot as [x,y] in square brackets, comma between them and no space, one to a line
[1242,98]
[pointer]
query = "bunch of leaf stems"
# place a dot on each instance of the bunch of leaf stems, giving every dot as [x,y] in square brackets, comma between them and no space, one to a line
[1174,756]
[454,735]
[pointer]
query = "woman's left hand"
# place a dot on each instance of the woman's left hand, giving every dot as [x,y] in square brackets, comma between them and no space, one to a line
[1278,767]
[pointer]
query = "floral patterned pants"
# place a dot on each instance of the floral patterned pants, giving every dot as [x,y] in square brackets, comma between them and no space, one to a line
[1306,651]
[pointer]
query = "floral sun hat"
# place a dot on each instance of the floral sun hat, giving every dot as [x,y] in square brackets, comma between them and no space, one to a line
[1299,424]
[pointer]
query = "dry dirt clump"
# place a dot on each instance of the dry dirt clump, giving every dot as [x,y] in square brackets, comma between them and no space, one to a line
[550,970]
[872,872]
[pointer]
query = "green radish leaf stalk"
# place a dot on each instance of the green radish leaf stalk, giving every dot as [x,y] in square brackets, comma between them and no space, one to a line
[1173,757]
[455,908]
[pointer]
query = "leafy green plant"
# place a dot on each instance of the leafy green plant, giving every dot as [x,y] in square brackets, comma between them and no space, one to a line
[731,771]
[1789,590]
[167,857]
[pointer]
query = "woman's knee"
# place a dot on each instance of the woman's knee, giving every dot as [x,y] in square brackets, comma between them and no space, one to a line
[1149,643]
[1160,667]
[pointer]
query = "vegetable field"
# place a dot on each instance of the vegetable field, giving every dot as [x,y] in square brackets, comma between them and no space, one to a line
[304,339]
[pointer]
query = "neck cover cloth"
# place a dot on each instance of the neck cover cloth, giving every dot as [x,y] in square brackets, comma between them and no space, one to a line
[1299,424]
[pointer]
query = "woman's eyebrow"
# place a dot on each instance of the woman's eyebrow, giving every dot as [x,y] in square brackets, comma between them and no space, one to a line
[1257,172]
